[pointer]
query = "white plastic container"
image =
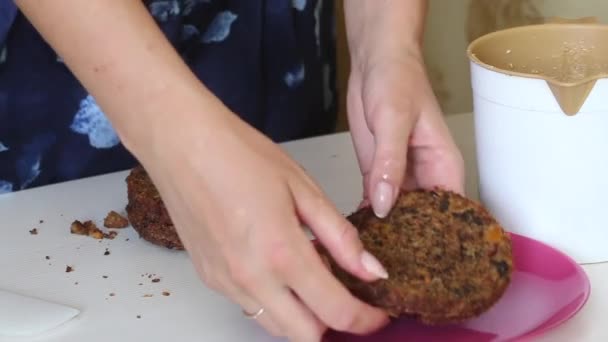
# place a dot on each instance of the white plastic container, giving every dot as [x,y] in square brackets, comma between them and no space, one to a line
[541,122]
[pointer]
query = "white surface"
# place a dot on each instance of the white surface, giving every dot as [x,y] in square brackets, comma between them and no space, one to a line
[191,313]
[543,173]
[27,316]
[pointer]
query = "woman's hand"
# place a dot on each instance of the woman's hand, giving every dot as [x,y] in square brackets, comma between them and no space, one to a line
[239,202]
[399,133]
[398,130]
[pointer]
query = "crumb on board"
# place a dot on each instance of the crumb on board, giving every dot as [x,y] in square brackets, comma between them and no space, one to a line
[41,221]
[34,231]
[47,257]
[148,295]
[89,228]
[107,252]
[115,220]
[166,293]
[76,283]
[104,277]
[112,294]
[156,280]
[69,269]
[111,235]
[138,316]
[140,284]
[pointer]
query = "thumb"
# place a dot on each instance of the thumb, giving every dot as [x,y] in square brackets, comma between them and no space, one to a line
[392,131]
[338,236]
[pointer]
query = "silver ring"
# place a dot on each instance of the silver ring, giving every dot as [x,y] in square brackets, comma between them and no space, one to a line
[253,315]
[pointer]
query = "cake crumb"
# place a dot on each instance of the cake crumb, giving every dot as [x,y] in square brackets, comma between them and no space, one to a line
[155,280]
[88,228]
[138,316]
[69,269]
[111,235]
[47,257]
[34,231]
[115,220]
[166,293]
[107,252]
[147,295]
[112,294]
[41,221]
[105,277]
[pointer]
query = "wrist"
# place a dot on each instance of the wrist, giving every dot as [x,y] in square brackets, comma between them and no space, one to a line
[367,59]
[384,30]
[155,128]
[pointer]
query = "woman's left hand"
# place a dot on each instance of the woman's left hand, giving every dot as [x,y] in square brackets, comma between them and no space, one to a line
[398,130]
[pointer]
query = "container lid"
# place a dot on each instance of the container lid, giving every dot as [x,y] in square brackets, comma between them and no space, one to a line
[569,54]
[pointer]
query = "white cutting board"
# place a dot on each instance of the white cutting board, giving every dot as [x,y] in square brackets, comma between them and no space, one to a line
[191,312]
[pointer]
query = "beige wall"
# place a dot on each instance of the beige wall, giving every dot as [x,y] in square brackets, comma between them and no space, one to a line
[445,44]
[451,24]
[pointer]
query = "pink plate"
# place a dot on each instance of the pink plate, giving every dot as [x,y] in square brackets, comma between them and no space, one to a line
[547,289]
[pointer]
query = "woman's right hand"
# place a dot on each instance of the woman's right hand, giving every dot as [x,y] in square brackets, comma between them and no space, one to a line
[239,203]
[236,199]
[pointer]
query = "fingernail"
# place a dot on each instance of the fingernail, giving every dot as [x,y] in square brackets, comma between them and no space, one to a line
[382,199]
[373,266]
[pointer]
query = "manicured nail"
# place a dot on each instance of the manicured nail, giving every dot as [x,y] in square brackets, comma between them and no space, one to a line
[382,200]
[373,266]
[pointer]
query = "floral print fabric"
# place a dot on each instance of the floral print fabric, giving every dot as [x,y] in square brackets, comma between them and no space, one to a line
[270,61]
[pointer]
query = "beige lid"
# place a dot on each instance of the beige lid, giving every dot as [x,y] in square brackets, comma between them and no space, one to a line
[569,54]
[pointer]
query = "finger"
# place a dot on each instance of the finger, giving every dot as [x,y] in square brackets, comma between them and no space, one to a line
[335,232]
[303,270]
[363,204]
[252,308]
[366,185]
[228,289]
[314,284]
[392,130]
[296,322]
[438,159]
[439,168]
[249,306]
[361,136]
[326,261]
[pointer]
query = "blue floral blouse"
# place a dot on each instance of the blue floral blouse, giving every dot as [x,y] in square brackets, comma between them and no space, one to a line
[271,61]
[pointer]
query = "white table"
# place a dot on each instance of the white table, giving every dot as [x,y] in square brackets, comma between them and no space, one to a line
[191,313]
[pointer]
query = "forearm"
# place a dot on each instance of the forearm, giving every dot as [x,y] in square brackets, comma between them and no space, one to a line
[384,28]
[120,55]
